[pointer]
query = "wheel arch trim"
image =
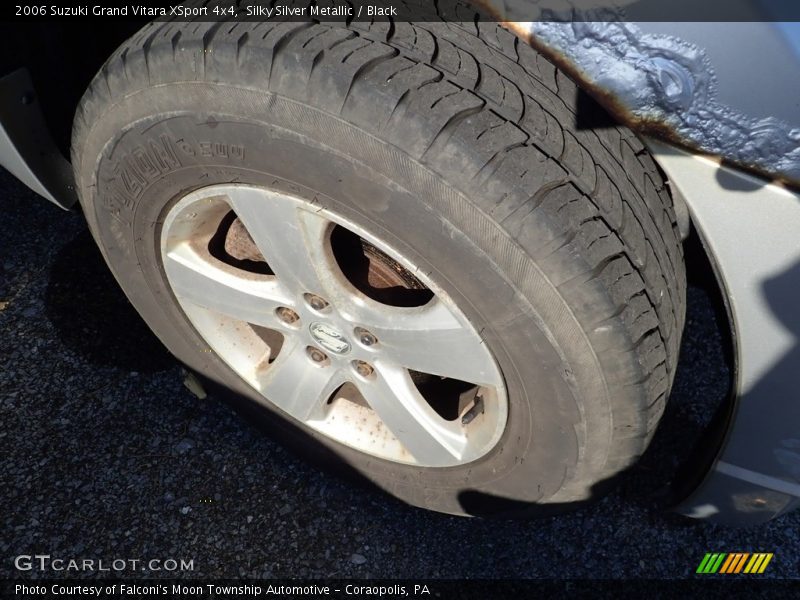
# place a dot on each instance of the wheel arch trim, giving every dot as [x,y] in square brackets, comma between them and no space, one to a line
[749,228]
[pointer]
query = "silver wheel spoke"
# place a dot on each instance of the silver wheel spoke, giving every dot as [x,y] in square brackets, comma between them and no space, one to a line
[297,385]
[430,339]
[393,396]
[289,237]
[196,280]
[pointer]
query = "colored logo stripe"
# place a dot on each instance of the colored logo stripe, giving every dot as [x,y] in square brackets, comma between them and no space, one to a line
[729,562]
[711,562]
[734,562]
[759,562]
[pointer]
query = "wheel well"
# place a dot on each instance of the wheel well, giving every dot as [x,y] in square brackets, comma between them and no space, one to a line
[694,465]
[62,59]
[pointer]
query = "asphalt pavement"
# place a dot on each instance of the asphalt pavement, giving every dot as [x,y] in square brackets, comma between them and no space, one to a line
[104,453]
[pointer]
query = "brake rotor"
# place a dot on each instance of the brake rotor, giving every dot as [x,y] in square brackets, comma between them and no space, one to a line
[382,272]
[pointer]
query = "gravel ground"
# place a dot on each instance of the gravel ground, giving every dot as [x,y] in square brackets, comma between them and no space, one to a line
[105,454]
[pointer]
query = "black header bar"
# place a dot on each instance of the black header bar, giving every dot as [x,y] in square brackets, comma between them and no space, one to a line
[410,10]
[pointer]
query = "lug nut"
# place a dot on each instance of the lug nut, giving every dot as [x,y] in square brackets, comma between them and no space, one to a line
[287,315]
[365,337]
[317,355]
[315,301]
[363,368]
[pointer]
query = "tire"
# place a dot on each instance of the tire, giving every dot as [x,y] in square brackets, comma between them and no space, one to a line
[458,144]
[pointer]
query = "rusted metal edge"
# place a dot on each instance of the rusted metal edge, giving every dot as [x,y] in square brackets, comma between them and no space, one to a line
[677,87]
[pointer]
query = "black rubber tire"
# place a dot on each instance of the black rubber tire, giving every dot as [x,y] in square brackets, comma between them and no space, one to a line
[457,142]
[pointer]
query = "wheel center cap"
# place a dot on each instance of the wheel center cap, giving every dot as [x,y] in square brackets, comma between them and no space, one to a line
[329,338]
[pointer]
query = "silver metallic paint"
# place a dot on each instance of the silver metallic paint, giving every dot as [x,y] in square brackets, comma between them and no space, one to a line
[752,230]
